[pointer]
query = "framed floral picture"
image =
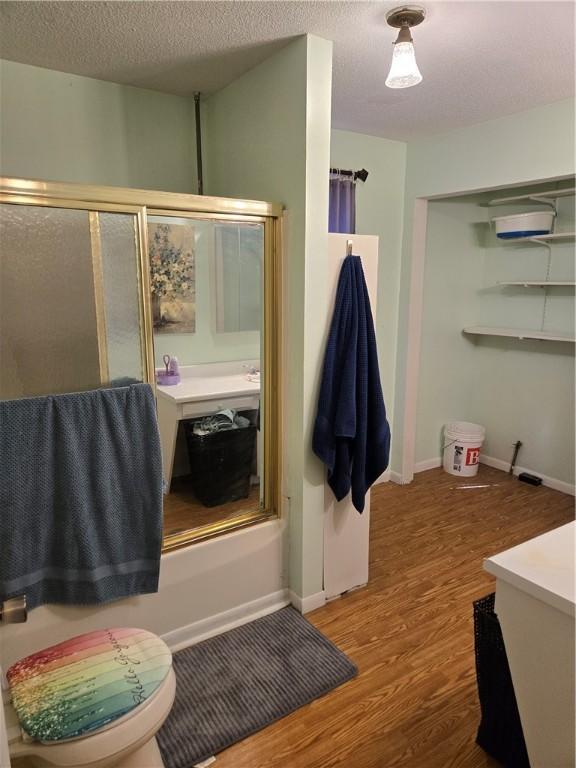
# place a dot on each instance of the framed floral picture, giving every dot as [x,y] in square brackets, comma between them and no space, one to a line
[172,277]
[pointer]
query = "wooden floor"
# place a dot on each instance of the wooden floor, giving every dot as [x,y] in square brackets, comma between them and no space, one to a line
[183,512]
[409,631]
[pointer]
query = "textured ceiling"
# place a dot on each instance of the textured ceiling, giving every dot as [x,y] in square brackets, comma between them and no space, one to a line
[479,59]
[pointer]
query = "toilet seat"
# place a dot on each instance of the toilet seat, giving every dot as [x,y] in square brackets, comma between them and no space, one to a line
[88,683]
[107,746]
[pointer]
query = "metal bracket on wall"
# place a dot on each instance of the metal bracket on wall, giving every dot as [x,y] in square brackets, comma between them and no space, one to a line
[545,201]
[13,611]
[546,295]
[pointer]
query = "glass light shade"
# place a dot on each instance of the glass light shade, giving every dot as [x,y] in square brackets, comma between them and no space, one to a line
[404,71]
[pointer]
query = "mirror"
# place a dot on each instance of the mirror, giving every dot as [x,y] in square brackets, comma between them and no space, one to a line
[238,277]
[79,270]
[206,278]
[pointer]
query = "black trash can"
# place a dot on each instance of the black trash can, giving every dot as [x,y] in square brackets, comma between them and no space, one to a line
[500,731]
[221,463]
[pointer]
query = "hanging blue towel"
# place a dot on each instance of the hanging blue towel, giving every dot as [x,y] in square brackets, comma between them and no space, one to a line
[351,433]
[80,496]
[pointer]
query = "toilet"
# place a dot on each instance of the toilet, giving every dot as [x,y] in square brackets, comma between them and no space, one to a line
[94,701]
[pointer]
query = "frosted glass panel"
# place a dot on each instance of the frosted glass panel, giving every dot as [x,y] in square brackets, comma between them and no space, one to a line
[69,300]
[48,339]
[121,301]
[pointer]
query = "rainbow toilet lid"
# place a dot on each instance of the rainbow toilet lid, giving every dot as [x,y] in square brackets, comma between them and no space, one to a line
[75,688]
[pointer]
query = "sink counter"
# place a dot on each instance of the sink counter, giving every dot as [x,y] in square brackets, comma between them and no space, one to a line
[202,391]
[192,389]
[542,567]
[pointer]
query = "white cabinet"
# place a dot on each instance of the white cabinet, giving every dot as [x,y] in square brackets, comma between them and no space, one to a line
[204,390]
[535,606]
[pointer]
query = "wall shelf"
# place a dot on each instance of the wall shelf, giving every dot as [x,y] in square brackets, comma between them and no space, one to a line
[547,197]
[556,237]
[535,197]
[519,333]
[539,283]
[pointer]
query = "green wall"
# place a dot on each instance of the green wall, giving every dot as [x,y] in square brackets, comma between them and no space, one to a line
[519,149]
[535,144]
[269,139]
[518,390]
[307,528]
[60,127]
[379,211]
[453,276]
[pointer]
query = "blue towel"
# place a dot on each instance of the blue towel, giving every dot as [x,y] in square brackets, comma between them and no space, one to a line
[80,496]
[351,433]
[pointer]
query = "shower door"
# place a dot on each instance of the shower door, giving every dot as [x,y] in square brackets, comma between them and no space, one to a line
[81,307]
[208,299]
[72,311]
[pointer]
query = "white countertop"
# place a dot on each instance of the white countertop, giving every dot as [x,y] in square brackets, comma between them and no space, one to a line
[210,382]
[543,567]
[209,388]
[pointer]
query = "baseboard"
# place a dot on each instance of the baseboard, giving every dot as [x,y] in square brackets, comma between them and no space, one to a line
[490,461]
[549,482]
[384,477]
[424,466]
[396,477]
[222,622]
[307,604]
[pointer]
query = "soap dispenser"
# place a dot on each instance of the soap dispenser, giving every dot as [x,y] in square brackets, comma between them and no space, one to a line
[170,374]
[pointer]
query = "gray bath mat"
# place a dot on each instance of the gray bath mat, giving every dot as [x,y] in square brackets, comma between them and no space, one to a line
[237,683]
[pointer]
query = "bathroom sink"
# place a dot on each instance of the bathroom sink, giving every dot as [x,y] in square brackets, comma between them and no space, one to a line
[210,388]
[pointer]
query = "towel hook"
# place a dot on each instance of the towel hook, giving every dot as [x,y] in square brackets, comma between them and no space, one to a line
[349,245]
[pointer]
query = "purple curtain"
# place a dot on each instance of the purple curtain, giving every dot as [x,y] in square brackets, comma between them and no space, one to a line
[342,215]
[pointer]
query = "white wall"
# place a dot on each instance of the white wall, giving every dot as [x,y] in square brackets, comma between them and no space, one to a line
[518,149]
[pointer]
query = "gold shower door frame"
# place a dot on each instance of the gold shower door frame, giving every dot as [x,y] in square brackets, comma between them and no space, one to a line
[96,199]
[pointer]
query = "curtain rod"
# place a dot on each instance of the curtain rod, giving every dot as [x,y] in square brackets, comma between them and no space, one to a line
[198,143]
[362,174]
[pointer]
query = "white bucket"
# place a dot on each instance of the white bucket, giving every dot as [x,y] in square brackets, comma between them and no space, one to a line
[529,224]
[462,445]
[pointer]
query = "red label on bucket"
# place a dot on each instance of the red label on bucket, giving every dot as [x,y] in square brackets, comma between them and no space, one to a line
[472,456]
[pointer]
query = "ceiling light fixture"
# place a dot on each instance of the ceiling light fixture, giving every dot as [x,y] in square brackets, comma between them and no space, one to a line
[404,71]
